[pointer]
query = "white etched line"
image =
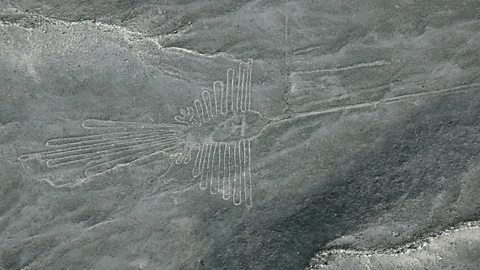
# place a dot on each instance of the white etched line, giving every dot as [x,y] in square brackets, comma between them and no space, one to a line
[346,68]
[93,139]
[84,145]
[106,124]
[209,164]
[76,139]
[240,178]
[202,167]
[239,87]
[207,104]
[68,151]
[247,175]
[107,162]
[237,181]
[62,152]
[213,168]
[106,139]
[218,170]
[178,156]
[188,155]
[460,88]
[249,85]
[197,166]
[208,171]
[229,91]
[243,157]
[72,152]
[221,165]
[218,93]
[439,92]
[215,109]
[182,155]
[243,90]
[244,95]
[75,158]
[104,158]
[179,119]
[191,113]
[233,160]
[227,172]
[185,117]
[199,110]
[121,161]
[203,174]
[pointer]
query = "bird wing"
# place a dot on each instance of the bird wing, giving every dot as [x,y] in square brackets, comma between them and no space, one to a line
[224,168]
[233,96]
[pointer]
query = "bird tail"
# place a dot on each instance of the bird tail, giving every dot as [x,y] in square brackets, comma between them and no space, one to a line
[112,145]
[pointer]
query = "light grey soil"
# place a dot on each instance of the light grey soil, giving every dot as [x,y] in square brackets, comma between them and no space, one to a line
[371,142]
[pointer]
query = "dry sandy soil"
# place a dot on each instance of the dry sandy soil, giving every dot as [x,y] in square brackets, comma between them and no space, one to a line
[360,134]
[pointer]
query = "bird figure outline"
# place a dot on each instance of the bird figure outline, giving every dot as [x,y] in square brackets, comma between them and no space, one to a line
[214,135]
